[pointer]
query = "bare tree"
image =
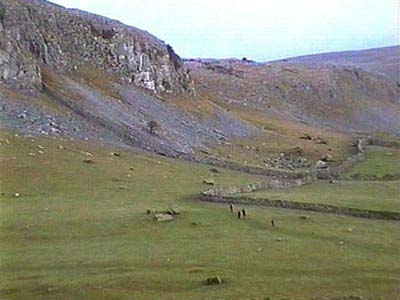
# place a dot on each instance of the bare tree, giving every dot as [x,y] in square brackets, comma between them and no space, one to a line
[153,126]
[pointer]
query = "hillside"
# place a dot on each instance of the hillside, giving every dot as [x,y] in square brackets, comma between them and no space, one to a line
[321,96]
[384,61]
[70,73]
[81,75]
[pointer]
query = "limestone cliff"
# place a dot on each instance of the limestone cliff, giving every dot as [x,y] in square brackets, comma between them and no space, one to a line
[38,33]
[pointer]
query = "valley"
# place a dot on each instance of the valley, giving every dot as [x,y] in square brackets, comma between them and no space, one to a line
[128,172]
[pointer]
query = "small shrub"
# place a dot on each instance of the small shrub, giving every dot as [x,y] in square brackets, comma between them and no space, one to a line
[153,126]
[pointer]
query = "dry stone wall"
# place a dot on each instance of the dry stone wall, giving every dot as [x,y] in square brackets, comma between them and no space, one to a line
[316,207]
[232,194]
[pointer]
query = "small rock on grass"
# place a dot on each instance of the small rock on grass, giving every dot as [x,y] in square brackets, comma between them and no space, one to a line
[173,211]
[209,181]
[86,153]
[356,298]
[306,136]
[214,280]
[50,289]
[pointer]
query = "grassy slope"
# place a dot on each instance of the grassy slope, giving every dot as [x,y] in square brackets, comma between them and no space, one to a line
[96,242]
[376,195]
[256,150]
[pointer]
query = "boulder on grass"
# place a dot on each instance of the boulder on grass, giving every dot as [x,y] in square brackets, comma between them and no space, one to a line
[163,217]
[88,160]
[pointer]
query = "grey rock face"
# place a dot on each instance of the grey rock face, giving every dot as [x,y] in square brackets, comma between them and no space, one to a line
[38,33]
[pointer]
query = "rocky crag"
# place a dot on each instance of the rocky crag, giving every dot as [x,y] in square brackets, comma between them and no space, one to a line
[37,33]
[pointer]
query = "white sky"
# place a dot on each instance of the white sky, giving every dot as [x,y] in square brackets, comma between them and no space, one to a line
[257,29]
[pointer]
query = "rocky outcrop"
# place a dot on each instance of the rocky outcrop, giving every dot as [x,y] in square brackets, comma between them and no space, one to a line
[37,33]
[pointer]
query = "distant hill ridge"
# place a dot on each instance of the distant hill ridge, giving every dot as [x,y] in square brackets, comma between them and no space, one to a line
[385,60]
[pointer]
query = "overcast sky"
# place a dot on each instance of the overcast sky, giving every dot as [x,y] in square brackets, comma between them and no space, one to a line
[257,29]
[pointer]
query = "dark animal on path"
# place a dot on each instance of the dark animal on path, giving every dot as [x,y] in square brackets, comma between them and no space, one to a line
[273,222]
[244,212]
[239,214]
[231,207]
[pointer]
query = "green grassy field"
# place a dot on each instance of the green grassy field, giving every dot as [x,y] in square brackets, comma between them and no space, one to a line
[379,161]
[80,231]
[373,195]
